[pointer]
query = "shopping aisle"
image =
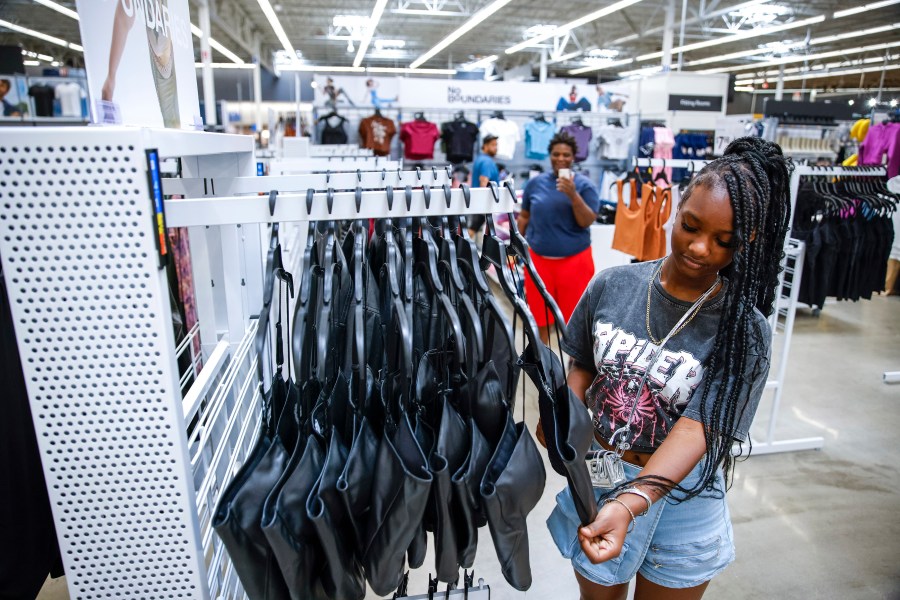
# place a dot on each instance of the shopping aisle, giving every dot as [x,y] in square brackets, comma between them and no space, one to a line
[808,525]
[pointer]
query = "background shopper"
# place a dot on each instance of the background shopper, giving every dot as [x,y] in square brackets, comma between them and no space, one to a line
[557,212]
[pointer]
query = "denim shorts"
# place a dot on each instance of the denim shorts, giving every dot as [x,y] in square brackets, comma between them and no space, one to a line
[674,545]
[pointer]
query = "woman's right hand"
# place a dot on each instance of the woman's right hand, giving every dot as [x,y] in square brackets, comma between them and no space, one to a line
[602,540]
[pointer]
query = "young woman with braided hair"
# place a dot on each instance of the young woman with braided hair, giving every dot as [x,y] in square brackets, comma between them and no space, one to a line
[674,382]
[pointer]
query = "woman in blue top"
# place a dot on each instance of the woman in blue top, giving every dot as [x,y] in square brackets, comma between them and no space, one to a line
[556,216]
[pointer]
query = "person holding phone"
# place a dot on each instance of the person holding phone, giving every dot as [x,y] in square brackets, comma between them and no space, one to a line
[558,208]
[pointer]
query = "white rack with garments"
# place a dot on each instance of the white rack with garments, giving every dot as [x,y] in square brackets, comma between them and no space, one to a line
[131,489]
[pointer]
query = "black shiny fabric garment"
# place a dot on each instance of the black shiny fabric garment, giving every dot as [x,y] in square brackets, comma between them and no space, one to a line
[399,496]
[568,430]
[238,517]
[511,487]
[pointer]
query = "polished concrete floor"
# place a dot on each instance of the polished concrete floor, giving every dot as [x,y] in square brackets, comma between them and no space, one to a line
[817,524]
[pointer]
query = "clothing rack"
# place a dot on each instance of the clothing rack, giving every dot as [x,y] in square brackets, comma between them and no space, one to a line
[114,326]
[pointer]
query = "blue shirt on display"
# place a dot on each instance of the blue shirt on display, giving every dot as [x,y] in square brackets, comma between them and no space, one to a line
[552,229]
[484,165]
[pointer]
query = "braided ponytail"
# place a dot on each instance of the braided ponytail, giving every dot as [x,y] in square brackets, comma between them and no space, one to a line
[756,175]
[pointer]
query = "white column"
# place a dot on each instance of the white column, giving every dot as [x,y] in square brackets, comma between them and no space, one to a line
[681,34]
[668,36]
[209,91]
[779,86]
[543,76]
[257,87]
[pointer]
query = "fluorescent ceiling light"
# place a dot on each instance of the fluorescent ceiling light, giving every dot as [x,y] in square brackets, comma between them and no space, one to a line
[858,9]
[803,58]
[744,89]
[747,35]
[757,51]
[852,34]
[37,55]
[393,44]
[59,8]
[215,44]
[199,65]
[597,14]
[411,71]
[345,69]
[745,77]
[644,71]
[40,36]
[463,29]
[481,63]
[31,63]
[369,31]
[609,65]
[849,71]
[278,29]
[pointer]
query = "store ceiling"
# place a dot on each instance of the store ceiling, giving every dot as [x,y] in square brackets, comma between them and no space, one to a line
[628,33]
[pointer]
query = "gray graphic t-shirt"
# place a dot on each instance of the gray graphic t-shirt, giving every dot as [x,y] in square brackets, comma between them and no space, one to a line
[608,334]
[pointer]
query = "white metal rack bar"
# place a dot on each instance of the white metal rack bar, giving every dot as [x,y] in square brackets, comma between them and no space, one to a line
[231,210]
[340,180]
[675,163]
[286,166]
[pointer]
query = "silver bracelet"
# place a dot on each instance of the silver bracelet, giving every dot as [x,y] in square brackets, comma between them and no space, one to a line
[630,529]
[642,494]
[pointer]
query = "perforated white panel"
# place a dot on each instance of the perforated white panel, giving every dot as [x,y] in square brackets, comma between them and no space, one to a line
[94,330]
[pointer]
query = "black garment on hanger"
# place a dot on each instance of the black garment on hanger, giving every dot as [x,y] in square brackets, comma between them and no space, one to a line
[43,99]
[28,546]
[334,134]
[459,138]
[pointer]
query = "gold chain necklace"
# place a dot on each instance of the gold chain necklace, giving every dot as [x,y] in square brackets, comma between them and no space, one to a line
[683,325]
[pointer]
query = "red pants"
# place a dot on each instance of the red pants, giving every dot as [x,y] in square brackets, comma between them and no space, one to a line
[565,279]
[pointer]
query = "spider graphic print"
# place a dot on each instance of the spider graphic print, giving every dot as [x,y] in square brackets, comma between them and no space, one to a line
[622,359]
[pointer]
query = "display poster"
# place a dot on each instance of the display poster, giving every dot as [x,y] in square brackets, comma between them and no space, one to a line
[461,94]
[14,96]
[335,91]
[139,56]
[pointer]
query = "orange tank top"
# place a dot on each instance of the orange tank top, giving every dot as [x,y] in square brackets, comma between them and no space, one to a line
[628,236]
[656,213]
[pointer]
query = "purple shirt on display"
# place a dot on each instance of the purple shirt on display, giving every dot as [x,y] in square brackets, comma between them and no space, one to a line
[582,135]
[882,139]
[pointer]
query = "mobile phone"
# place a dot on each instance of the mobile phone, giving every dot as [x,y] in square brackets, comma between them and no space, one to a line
[565,174]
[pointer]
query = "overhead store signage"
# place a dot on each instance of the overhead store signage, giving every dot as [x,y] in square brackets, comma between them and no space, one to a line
[463,94]
[697,103]
[139,57]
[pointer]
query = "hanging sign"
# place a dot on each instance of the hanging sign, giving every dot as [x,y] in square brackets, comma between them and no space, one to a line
[695,103]
[139,57]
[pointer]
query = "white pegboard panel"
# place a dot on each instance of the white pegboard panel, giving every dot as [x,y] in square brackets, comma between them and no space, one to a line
[94,330]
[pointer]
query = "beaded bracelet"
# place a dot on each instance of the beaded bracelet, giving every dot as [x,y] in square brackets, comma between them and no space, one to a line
[608,500]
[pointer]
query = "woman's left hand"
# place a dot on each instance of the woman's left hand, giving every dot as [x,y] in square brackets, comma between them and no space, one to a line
[566,186]
[602,540]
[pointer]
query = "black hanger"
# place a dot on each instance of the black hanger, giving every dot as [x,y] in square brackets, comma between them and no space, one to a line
[461,116]
[419,116]
[304,319]
[494,251]
[688,175]
[359,316]
[518,243]
[426,260]
[377,112]
[328,268]
[662,175]
[540,117]
[497,114]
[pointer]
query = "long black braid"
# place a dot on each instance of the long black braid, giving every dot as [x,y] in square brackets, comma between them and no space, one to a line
[757,176]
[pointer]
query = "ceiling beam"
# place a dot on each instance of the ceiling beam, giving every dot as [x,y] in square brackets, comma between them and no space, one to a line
[233,20]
